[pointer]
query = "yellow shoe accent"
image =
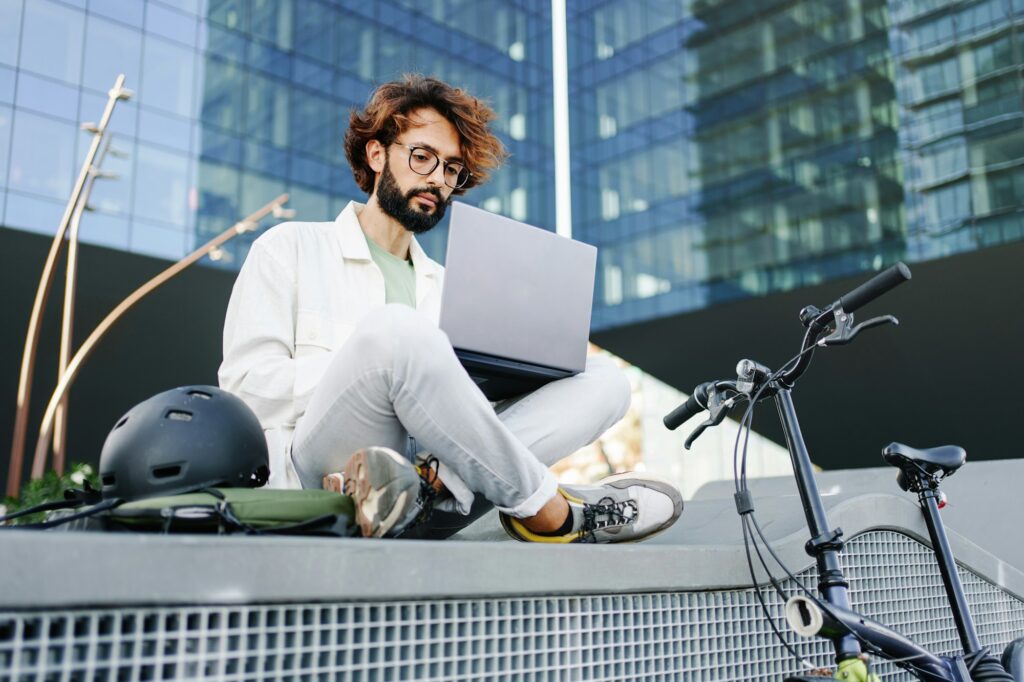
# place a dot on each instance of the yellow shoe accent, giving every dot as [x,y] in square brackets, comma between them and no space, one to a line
[529,536]
[569,497]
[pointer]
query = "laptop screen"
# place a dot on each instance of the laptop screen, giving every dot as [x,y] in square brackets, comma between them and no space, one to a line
[517,292]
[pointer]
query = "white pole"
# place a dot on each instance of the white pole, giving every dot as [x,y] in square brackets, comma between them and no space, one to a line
[560,91]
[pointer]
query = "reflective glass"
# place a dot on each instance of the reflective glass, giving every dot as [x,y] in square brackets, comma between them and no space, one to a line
[168,76]
[311,172]
[7,77]
[124,12]
[218,197]
[355,43]
[267,109]
[6,116]
[228,13]
[47,96]
[311,74]
[10,30]
[171,24]
[157,240]
[271,21]
[221,97]
[42,155]
[192,6]
[103,229]
[161,186]
[495,22]
[165,129]
[265,159]
[51,40]
[32,213]
[269,95]
[257,191]
[309,204]
[315,126]
[111,49]
[219,146]
[313,29]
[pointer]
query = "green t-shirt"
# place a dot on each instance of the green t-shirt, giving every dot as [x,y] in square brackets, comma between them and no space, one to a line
[399,275]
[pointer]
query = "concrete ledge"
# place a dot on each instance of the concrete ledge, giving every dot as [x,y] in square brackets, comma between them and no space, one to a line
[703,551]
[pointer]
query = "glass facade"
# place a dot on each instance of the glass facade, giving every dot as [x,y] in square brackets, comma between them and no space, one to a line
[959,75]
[720,149]
[239,100]
[724,149]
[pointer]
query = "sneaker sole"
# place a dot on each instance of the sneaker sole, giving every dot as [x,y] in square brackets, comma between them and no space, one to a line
[629,479]
[371,483]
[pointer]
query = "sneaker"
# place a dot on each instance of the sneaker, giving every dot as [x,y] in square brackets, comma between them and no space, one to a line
[621,508]
[390,493]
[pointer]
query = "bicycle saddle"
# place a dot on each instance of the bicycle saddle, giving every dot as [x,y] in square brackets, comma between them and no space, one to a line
[944,458]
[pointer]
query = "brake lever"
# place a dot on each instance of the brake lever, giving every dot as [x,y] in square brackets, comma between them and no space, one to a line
[846,331]
[718,406]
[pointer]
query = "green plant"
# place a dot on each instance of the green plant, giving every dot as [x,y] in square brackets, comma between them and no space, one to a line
[49,488]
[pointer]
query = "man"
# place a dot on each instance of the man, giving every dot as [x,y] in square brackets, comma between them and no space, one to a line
[331,337]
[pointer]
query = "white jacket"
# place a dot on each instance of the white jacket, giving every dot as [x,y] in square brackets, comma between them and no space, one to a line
[301,292]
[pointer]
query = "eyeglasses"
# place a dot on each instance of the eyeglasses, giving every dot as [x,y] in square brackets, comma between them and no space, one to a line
[422,161]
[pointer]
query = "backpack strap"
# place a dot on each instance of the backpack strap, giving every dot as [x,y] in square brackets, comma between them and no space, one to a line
[73,498]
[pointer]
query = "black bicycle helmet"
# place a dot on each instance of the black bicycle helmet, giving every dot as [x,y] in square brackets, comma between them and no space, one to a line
[182,440]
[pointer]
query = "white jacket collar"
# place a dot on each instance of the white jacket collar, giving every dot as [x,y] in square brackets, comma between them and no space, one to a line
[353,241]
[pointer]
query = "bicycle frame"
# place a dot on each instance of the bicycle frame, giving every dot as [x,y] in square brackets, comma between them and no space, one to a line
[841,624]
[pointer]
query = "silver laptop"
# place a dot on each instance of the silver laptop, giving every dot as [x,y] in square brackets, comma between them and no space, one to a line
[517,301]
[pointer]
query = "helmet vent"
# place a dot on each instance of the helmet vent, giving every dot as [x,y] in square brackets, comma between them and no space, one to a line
[179,416]
[109,479]
[122,422]
[200,394]
[167,472]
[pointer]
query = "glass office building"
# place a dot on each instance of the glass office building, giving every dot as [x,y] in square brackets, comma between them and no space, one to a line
[725,149]
[720,149]
[239,100]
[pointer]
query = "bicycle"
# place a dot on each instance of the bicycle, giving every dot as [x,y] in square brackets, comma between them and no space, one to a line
[920,471]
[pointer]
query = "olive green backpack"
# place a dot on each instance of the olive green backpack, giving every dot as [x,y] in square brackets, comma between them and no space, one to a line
[252,511]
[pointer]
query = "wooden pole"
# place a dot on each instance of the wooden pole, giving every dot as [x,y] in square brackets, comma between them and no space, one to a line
[28,357]
[46,427]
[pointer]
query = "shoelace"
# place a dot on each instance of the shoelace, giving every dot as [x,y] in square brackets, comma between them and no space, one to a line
[606,512]
[428,494]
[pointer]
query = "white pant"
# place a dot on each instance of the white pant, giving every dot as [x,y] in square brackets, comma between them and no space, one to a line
[397,376]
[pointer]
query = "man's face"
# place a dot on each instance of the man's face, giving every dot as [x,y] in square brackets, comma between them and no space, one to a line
[418,209]
[418,202]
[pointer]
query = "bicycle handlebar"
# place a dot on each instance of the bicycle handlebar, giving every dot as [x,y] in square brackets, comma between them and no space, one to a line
[818,326]
[695,404]
[875,287]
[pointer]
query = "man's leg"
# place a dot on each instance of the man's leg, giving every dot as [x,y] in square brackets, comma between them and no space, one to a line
[398,374]
[561,417]
[399,366]
[552,422]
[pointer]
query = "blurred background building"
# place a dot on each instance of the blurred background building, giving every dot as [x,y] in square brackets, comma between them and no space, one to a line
[730,160]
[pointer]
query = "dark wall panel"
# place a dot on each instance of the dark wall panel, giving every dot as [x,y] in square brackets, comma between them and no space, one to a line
[950,373]
[171,338]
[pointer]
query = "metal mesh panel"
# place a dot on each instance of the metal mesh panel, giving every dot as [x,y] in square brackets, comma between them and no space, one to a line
[719,635]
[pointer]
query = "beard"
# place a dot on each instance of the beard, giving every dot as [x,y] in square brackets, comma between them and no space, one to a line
[400,206]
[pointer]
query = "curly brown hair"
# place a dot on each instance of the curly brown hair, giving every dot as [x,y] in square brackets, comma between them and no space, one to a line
[386,116]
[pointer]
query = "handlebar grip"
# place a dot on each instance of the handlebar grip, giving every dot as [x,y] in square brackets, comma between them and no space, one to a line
[875,287]
[674,419]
